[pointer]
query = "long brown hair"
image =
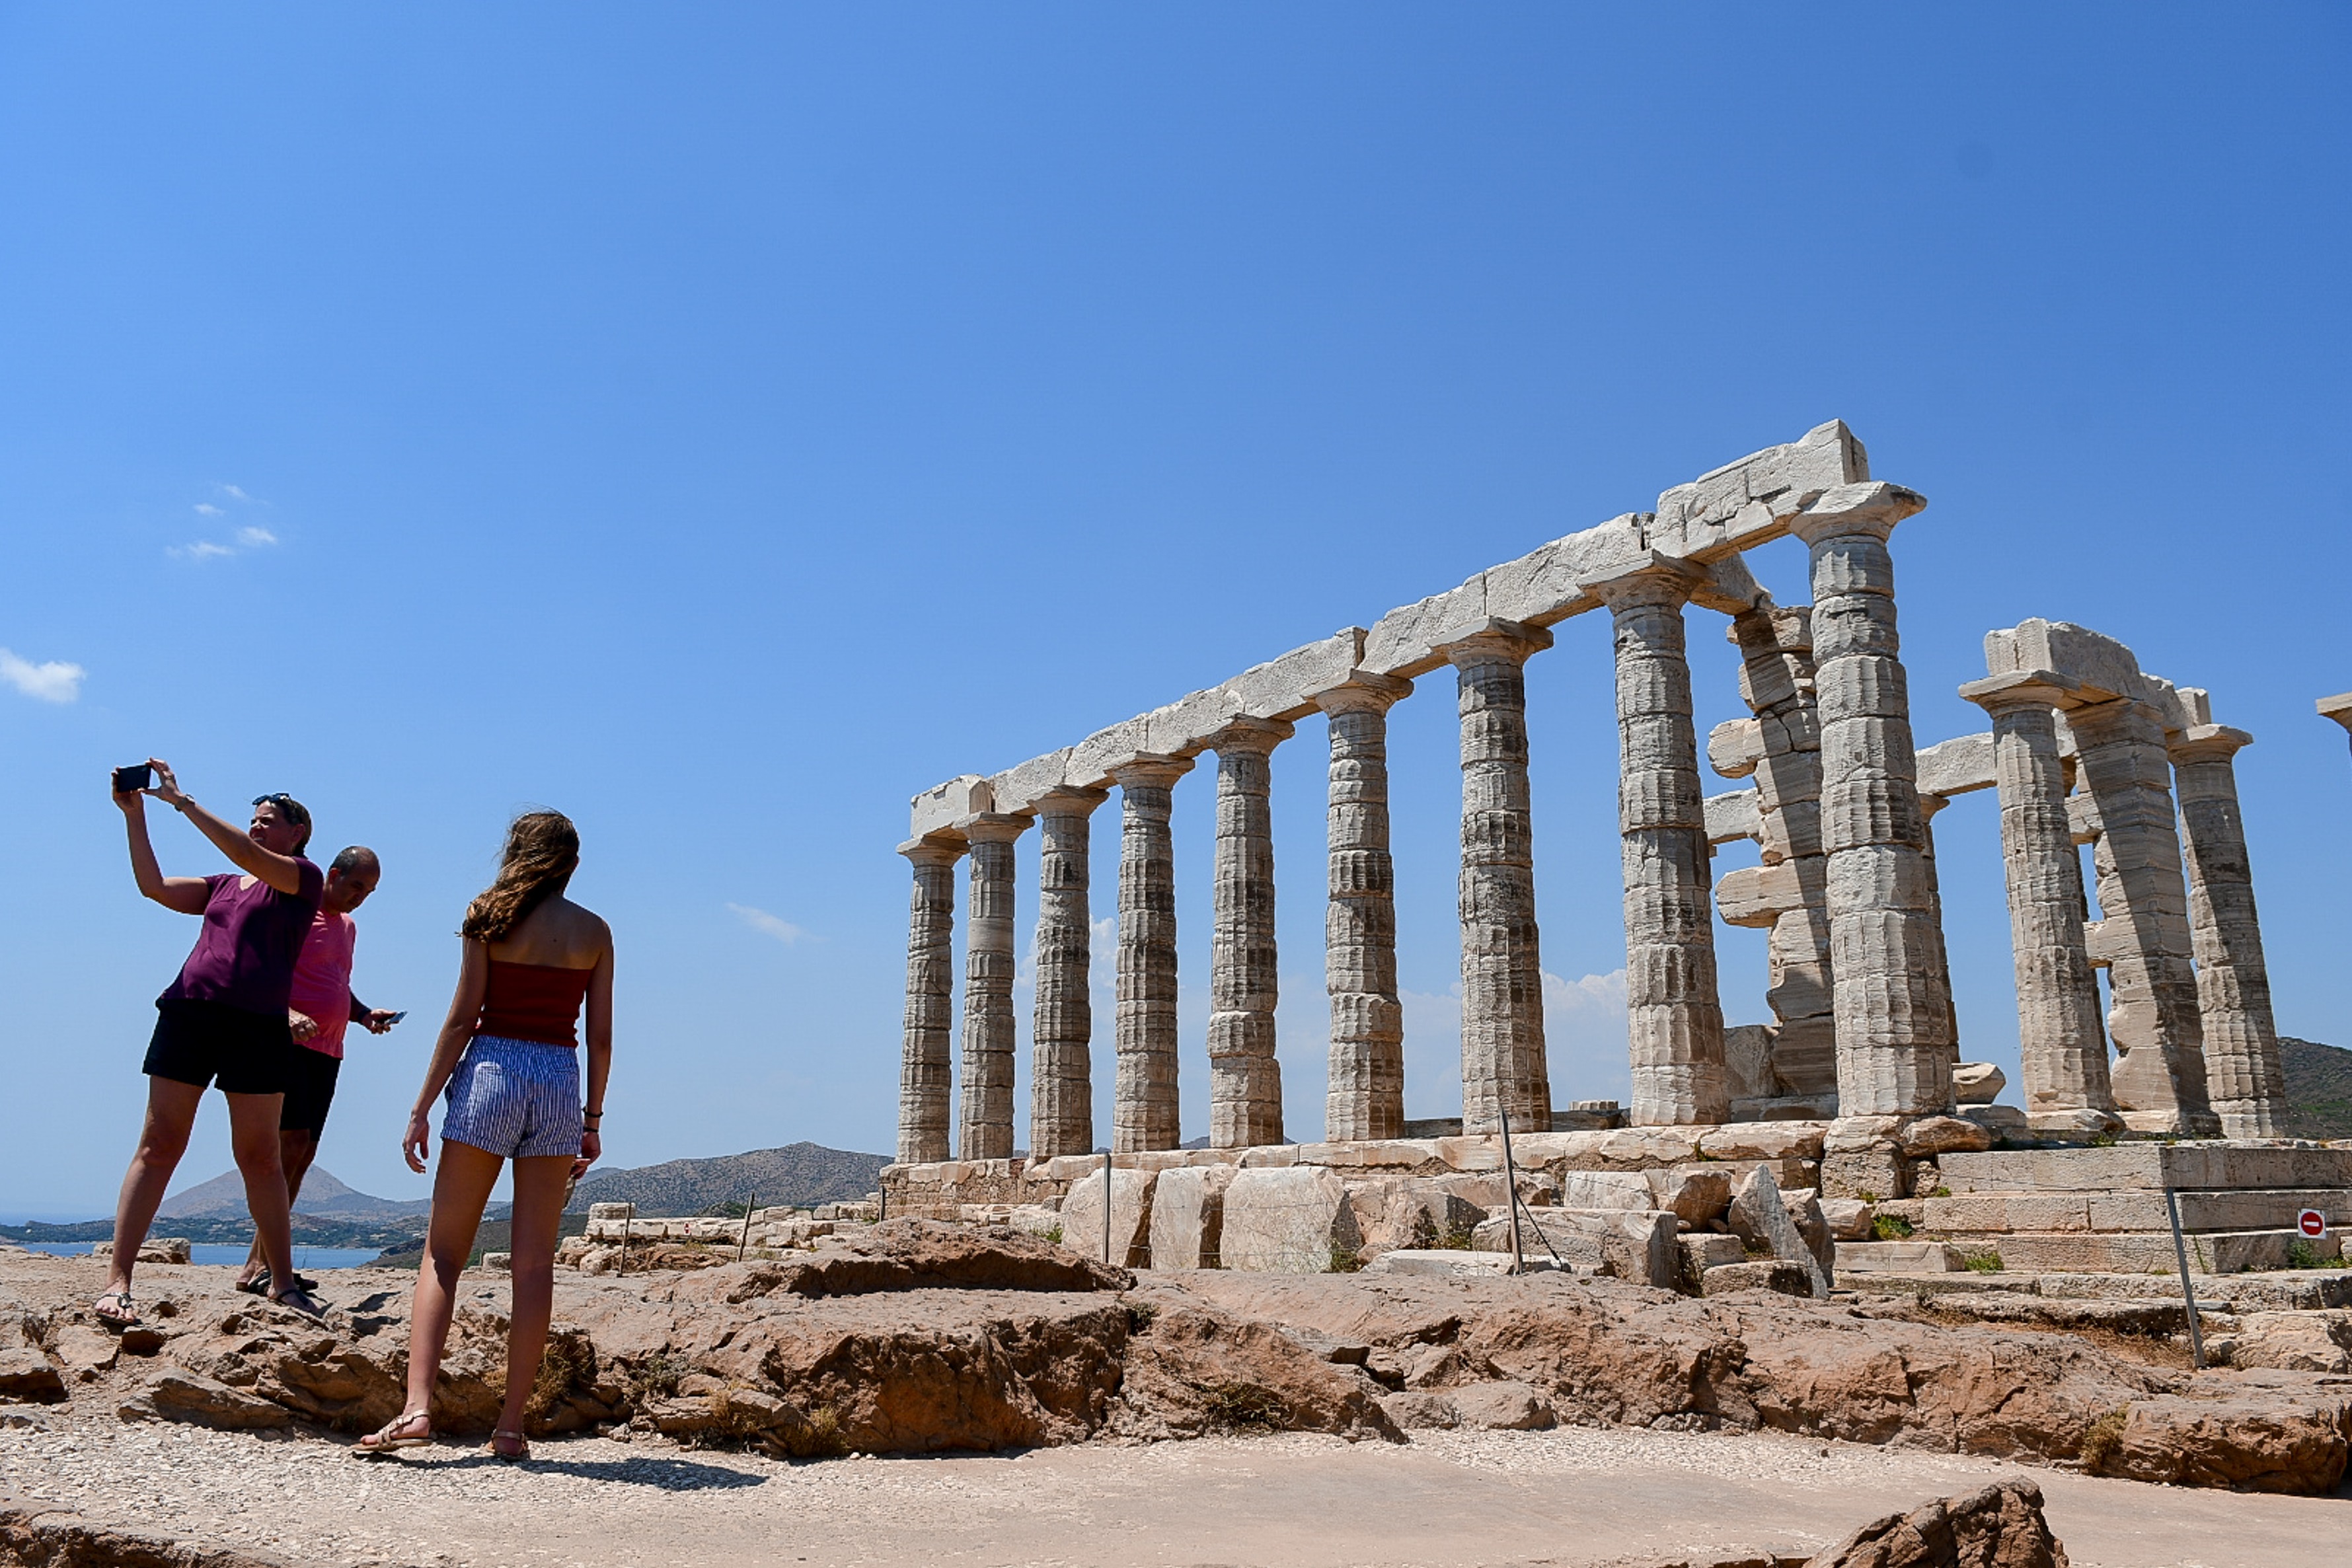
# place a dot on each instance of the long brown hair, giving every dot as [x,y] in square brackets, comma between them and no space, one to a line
[543,851]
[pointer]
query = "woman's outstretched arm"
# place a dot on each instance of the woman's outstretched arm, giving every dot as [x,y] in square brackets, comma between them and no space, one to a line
[464,1010]
[183,894]
[283,872]
[600,1056]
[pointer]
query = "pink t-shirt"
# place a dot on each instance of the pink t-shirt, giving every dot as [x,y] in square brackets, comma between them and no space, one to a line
[323,978]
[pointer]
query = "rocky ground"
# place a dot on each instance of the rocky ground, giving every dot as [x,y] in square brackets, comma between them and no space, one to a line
[1338,1418]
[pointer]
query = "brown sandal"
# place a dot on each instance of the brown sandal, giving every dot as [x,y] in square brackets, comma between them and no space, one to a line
[521,1447]
[122,1315]
[387,1437]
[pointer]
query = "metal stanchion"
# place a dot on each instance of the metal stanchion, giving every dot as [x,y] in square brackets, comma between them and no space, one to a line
[750,1203]
[2187,1293]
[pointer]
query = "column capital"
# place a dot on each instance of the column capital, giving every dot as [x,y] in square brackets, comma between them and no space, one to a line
[1484,641]
[1149,769]
[1361,691]
[2105,715]
[1651,577]
[2338,707]
[1068,798]
[991,827]
[944,847]
[2206,743]
[1998,694]
[1251,735]
[1843,510]
[1931,804]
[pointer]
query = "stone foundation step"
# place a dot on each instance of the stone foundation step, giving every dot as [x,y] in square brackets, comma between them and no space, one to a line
[2287,1290]
[2133,1209]
[2149,1166]
[1898,1258]
[2214,1252]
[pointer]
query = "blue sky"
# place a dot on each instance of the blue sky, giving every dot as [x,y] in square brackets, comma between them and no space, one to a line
[722,424]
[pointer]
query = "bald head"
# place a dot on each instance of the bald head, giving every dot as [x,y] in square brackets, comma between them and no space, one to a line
[351,875]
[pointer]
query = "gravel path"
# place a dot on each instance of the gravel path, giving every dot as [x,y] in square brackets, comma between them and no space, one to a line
[1569,1496]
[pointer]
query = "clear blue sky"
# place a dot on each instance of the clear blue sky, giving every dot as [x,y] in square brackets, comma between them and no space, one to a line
[721,423]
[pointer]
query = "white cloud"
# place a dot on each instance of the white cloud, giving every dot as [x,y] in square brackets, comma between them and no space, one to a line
[53,681]
[205,508]
[254,539]
[202,550]
[768,925]
[234,494]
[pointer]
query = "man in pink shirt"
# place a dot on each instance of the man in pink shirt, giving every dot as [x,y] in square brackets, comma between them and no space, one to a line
[319,1009]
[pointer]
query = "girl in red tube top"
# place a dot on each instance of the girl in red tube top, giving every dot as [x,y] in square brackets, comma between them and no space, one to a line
[509,1059]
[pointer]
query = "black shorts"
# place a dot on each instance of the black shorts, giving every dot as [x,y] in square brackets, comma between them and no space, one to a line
[203,1042]
[310,1090]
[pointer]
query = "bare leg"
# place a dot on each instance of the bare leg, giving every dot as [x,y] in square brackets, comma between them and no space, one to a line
[295,1149]
[538,1188]
[461,1187]
[253,1138]
[162,1139]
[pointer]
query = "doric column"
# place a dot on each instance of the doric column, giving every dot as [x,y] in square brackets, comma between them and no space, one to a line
[2063,1048]
[926,1066]
[2244,1078]
[988,968]
[1893,1035]
[1502,969]
[2121,767]
[1674,1016]
[1244,1079]
[1061,1073]
[1364,1097]
[1929,806]
[1144,1106]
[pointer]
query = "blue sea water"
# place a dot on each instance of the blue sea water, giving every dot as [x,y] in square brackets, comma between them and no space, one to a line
[305,1257]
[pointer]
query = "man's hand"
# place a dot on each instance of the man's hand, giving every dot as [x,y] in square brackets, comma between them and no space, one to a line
[379,1020]
[303,1027]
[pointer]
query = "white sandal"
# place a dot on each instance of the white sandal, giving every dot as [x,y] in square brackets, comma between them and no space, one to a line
[387,1437]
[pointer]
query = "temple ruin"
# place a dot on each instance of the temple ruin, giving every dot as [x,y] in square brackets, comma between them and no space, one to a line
[1861,1064]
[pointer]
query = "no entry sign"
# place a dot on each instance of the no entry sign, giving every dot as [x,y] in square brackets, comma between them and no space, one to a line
[2312,1223]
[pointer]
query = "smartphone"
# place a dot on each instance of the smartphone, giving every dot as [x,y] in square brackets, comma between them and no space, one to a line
[142,777]
[395,1018]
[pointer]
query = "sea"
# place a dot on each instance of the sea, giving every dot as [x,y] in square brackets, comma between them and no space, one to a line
[305,1257]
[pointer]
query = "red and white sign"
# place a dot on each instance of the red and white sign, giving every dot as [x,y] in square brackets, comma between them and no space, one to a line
[2312,1223]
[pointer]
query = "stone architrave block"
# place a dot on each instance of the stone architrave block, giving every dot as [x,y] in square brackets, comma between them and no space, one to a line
[1541,588]
[1631,1244]
[1130,1216]
[941,806]
[2087,657]
[1017,789]
[1282,1221]
[1750,502]
[1760,1218]
[1704,1250]
[1389,1214]
[1092,759]
[1734,815]
[1695,1195]
[1957,766]
[1187,724]
[1404,641]
[1791,1139]
[1757,895]
[1188,1216]
[1274,690]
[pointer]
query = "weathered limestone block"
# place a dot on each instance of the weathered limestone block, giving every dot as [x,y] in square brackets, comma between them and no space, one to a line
[1188,1216]
[1144,1107]
[1630,1244]
[1503,1061]
[1773,1274]
[1608,1189]
[1406,1212]
[2245,1077]
[1764,1141]
[1977,1082]
[1244,1078]
[926,1072]
[1702,1250]
[1849,1218]
[1758,1217]
[988,963]
[1130,1218]
[1061,1107]
[1365,1093]
[1931,1136]
[1282,1221]
[1695,1195]
[1899,1257]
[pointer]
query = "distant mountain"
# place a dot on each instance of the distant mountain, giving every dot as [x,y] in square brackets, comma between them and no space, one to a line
[322,1196]
[795,1174]
[2318,1089]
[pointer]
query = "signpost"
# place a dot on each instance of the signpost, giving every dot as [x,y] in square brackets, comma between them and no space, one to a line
[2312,1223]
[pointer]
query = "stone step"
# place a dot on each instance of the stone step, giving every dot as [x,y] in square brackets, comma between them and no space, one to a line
[2149,1165]
[1935,1284]
[2132,1210]
[1897,1258]
[2290,1291]
[1448,1264]
[2212,1252]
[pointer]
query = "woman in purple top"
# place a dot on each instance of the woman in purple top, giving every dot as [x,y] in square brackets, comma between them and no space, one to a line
[224,1020]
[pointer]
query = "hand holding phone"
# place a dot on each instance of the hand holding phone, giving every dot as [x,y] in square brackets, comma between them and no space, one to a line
[140,775]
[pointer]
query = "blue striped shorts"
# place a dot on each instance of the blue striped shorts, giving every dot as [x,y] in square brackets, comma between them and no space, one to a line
[517,1099]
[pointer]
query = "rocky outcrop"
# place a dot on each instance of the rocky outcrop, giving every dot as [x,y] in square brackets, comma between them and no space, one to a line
[2000,1527]
[33,1534]
[2275,1439]
[1190,1372]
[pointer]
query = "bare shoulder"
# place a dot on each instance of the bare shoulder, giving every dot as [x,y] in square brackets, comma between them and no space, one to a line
[560,933]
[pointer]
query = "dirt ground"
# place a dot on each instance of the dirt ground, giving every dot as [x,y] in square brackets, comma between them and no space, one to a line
[1577,1496]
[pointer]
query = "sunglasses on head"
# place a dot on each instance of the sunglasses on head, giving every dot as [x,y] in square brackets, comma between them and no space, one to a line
[286,805]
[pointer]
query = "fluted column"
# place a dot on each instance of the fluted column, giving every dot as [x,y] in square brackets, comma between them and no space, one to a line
[1061,1039]
[988,970]
[2244,1078]
[926,1066]
[1364,1095]
[1673,1015]
[2062,1047]
[1502,969]
[2121,766]
[1942,991]
[1144,1111]
[1244,1078]
[1894,1037]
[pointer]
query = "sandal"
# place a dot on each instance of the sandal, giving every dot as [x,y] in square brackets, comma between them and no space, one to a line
[259,1284]
[118,1317]
[521,1447]
[295,1299]
[387,1437]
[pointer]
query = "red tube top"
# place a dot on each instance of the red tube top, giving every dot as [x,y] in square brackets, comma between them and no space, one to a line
[536,1002]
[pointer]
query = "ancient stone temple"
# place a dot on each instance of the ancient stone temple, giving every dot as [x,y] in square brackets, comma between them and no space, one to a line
[2084,749]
